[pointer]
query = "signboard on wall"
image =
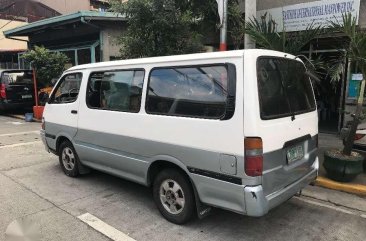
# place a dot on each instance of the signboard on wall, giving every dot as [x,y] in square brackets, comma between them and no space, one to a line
[354,86]
[297,17]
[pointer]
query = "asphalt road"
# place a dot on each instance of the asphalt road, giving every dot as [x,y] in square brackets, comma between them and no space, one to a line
[34,189]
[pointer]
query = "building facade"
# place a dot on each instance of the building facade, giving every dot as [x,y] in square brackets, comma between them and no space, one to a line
[71,6]
[84,36]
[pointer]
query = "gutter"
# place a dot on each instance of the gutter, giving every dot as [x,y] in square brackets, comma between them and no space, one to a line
[82,19]
[18,39]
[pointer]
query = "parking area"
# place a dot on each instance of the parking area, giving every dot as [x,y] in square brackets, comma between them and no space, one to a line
[98,206]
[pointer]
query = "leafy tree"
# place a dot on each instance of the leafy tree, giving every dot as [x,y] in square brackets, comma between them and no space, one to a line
[157,28]
[48,65]
[165,27]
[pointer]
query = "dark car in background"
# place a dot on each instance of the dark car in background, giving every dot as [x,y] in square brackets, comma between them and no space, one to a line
[16,89]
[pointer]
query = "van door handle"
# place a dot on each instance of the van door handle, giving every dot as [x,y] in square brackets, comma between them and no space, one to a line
[74,112]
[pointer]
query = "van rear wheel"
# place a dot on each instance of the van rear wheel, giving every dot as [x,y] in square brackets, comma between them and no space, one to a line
[173,195]
[68,158]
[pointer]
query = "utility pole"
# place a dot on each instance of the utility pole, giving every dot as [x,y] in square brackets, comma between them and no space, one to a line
[250,12]
[222,9]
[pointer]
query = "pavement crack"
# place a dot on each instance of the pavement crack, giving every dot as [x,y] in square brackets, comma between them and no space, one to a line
[87,196]
[334,203]
[15,168]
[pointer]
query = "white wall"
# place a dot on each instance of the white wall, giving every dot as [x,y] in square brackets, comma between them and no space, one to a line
[67,6]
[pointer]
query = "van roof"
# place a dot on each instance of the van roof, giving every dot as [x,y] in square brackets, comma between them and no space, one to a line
[162,59]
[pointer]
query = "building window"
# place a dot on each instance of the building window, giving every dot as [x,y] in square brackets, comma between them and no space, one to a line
[116,90]
[84,56]
[196,91]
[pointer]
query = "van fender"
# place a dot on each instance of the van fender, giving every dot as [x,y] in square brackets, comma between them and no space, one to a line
[203,210]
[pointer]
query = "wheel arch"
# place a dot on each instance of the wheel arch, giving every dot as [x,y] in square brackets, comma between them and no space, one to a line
[60,139]
[162,162]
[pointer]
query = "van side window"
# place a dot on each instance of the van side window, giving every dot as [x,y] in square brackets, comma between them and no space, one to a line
[67,90]
[195,91]
[115,90]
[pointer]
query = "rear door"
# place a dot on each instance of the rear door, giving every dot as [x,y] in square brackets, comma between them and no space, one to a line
[287,123]
[18,86]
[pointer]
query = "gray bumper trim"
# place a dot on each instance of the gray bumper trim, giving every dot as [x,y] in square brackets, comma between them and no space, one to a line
[258,205]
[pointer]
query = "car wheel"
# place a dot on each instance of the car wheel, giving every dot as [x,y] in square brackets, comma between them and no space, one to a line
[173,195]
[69,160]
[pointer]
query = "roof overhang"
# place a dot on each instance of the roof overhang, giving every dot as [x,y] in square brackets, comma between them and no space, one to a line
[80,16]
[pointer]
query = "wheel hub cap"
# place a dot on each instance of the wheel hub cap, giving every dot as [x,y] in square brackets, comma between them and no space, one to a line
[68,159]
[172,196]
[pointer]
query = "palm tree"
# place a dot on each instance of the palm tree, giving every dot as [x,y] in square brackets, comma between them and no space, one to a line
[355,47]
[266,35]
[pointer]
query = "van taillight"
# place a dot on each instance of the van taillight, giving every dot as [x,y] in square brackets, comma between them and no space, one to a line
[3,91]
[359,136]
[43,126]
[253,156]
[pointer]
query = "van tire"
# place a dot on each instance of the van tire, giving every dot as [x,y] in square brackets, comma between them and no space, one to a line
[170,178]
[69,159]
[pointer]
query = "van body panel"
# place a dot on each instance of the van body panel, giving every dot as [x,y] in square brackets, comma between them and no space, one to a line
[173,136]
[219,193]
[258,204]
[278,173]
[210,151]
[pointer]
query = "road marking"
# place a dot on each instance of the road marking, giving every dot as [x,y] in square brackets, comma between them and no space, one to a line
[20,144]
[15,122]
[20,133]
[104,228]
[330,207]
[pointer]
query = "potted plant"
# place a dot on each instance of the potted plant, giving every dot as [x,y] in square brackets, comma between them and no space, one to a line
[46,65]
[344,165]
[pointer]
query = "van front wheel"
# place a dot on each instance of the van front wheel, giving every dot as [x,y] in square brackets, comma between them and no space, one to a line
[173,196]
[69,160]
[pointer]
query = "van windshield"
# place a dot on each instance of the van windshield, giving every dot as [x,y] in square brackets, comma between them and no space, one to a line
[16,77]
[284,88]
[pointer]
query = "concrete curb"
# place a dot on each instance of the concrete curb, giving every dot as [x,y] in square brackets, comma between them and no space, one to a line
[344,187]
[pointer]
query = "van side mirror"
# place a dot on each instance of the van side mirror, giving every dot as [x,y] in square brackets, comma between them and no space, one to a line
[43,97]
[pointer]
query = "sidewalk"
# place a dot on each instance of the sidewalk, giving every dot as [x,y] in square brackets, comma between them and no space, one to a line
[357,186]
[21,117]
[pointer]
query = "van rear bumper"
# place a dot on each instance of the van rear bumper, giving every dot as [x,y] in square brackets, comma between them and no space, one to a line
[44,141]
[4,105]
[258,205]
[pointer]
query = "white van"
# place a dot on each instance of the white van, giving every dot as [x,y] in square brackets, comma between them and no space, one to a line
[235,130]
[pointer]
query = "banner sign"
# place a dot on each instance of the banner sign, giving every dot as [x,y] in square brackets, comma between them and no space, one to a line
[297,17]
[354,86]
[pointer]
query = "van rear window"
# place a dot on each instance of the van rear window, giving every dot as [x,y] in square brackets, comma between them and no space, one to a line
[284,88]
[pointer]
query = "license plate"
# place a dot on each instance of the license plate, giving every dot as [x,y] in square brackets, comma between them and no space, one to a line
[26,96]
[295,153]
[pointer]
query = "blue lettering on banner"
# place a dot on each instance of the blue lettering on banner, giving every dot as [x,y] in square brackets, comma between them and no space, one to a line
[315,11]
